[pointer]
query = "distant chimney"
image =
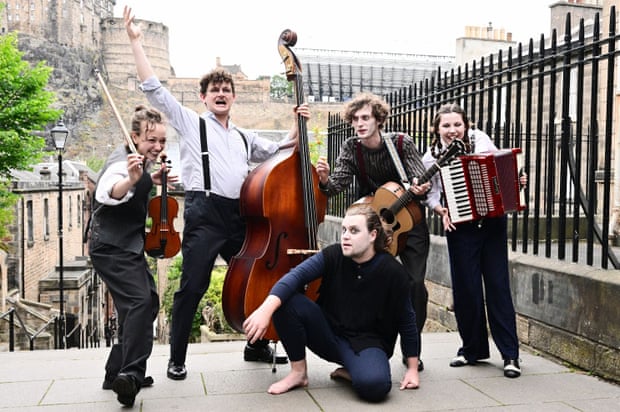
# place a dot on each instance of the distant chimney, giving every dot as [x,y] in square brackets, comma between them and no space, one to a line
[218,62]
[45,173]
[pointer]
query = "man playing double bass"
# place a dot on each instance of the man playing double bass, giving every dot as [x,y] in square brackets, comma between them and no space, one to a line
[213,225]
[365,156]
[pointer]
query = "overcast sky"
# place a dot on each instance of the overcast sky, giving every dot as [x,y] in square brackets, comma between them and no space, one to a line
[246,33]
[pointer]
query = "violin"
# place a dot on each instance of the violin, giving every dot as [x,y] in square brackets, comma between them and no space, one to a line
[162,241]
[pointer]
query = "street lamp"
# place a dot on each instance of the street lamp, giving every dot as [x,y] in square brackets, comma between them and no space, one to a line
[60,133]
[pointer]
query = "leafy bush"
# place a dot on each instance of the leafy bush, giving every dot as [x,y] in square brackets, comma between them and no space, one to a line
[210,304]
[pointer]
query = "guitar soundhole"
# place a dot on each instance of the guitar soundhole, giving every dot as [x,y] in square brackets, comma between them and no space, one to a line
[387,216]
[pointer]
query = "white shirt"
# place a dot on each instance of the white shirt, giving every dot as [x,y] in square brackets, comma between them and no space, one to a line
[229,160]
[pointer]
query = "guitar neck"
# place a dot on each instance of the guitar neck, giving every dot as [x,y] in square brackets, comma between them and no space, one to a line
[409,196]
[428,174]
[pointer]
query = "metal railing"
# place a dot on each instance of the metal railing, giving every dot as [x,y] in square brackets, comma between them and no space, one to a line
[12,314]
[556,102]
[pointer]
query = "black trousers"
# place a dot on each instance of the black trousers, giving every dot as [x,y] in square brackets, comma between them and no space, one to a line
[413,258]
[481,288]
[132,286]
[213,226]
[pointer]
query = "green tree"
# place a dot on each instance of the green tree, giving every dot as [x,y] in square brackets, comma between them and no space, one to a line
[25,107]
[280,88]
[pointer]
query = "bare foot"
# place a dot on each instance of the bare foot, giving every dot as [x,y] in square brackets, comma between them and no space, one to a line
[340,373]
[291,381]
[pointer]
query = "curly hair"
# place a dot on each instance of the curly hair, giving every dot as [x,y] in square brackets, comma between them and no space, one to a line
[380,108]
[216,76]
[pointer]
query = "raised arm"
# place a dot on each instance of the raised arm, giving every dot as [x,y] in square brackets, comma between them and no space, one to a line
[143,66]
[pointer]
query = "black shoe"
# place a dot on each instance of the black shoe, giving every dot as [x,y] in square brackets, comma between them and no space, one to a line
[420,364]
[126,389]
[148,381]
[176,372]
[511,368]
[262,354]
[459,361]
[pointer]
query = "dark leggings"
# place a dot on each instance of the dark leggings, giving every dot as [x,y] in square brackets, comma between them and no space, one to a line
[300,323]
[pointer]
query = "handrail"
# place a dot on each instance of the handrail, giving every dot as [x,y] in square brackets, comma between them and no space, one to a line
[76,328]
[38,332]
[12,313]
[11,321]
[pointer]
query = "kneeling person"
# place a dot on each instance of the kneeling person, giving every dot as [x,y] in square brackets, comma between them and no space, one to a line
[363,306]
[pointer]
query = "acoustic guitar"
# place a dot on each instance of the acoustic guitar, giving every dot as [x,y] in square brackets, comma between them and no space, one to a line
[397,206]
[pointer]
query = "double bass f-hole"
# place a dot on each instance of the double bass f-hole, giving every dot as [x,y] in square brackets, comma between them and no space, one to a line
[276,253]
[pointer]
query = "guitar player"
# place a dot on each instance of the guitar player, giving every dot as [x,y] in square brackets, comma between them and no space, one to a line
[365,156]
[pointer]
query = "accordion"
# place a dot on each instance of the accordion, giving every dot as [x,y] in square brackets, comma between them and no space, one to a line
[483,185]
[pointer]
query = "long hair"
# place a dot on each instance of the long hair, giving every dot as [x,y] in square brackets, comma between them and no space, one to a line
[437,148]
[373,222]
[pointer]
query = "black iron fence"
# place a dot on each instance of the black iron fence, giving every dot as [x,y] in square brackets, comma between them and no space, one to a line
[553,99]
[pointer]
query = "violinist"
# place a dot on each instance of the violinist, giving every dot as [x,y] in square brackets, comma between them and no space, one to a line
[213,223]
[117,234]
[363,305]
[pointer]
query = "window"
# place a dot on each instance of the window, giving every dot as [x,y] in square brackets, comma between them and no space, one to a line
[79,213]
[70,212]
[30,223]
[46,219]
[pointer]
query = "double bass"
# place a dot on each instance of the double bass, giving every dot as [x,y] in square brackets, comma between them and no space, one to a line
[283,207]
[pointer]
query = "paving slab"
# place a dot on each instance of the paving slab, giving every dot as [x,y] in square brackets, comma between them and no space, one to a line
[219,380]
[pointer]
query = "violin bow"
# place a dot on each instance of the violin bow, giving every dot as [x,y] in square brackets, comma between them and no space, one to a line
[119,119]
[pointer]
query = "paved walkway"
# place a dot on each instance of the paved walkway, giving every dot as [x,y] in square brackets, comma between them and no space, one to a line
[219,380]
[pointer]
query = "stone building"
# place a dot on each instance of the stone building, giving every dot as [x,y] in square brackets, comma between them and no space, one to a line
[33,264]
[71,23]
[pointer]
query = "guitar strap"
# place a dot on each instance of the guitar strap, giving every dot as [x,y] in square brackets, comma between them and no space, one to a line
[204,147]
[396,158]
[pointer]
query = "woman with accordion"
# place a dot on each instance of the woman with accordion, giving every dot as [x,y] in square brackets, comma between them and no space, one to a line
[478,256]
